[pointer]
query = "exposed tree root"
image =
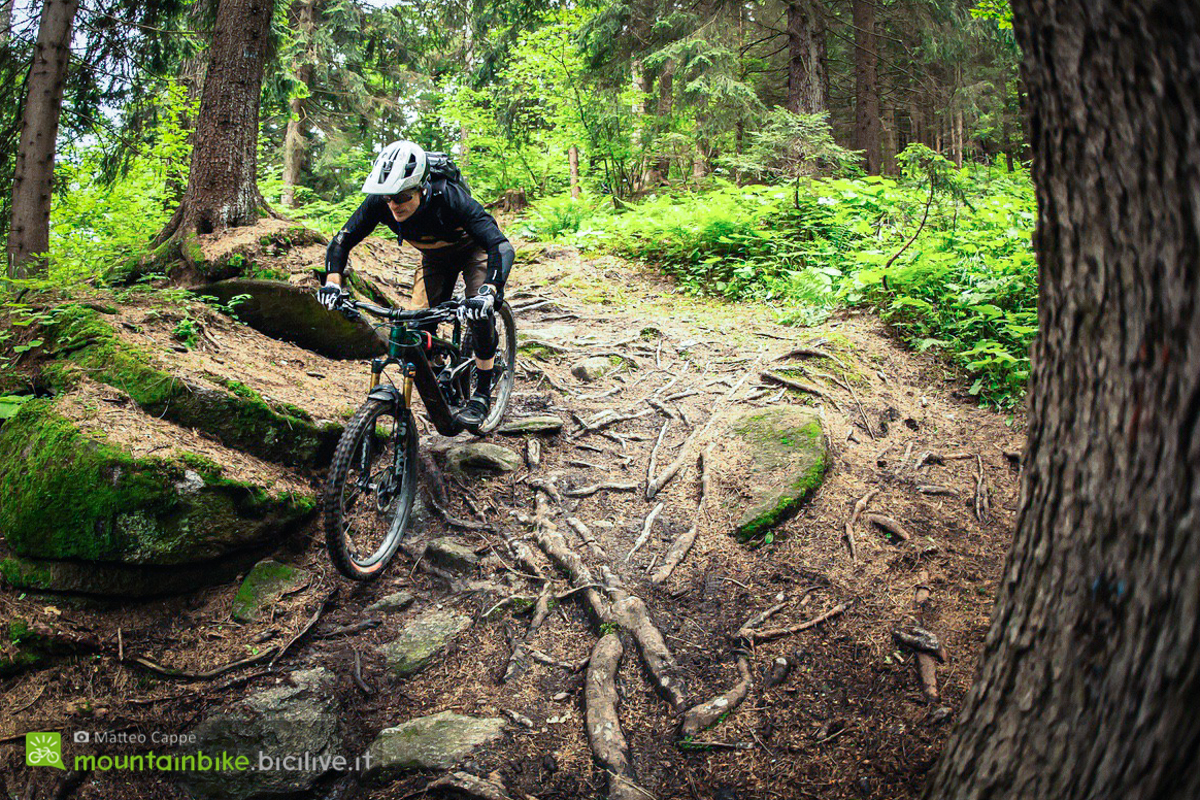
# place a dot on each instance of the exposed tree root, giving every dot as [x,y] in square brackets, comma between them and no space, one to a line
[924,645]
[703,716]
[777,633]
[983,505]
[890,525]
[808,388]
[932,489]
[630,612]
[647,526]
[859,508]
[653,487]
[585,533]
[463,784]
[683,543]
[603,725]
[587,491]
[801,352]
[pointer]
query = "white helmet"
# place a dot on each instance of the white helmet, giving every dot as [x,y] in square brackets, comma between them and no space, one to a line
[402,165]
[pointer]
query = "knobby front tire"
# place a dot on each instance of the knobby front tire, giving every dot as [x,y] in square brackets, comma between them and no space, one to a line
[506,364]
[370,489]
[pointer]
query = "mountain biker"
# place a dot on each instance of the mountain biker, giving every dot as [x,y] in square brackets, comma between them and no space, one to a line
[438,216]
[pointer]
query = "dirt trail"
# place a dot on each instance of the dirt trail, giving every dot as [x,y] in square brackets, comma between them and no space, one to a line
[850,720]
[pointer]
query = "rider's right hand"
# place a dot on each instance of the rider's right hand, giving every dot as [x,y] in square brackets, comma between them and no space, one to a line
[331,296]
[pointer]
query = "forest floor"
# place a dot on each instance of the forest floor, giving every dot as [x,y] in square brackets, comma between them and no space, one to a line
[852,719]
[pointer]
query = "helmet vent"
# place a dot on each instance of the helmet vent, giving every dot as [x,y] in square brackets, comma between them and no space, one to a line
[411,166]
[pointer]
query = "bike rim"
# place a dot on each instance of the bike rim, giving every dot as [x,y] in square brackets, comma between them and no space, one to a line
[374,502]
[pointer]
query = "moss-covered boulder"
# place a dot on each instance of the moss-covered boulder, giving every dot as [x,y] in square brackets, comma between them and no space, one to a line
[421,640]
[438,741]
[263,586]
[292,314]
[85,345]
[82,513]
[773,459]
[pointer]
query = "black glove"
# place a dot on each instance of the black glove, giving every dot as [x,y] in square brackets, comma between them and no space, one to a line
[480,306]
[331,296]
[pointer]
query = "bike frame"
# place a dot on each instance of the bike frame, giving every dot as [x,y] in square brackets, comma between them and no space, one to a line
[406,348]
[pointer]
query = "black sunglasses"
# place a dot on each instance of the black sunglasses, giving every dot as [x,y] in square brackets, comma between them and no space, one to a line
[402,197]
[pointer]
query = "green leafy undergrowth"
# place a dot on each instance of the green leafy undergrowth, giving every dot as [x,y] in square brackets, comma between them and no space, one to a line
[966,285]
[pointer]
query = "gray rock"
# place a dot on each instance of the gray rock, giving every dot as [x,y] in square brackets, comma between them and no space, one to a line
[440,741]
[263,586]
[481,455]
[295,718]
[775,459]
[393,602]
[593,369]
[451,555]
[421,640]
[547,423]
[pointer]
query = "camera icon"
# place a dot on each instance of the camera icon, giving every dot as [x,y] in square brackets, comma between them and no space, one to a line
[83,737]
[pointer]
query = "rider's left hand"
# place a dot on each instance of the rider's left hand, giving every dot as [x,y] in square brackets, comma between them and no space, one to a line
[480,306]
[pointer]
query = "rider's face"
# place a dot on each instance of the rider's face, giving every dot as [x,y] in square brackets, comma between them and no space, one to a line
[404,205]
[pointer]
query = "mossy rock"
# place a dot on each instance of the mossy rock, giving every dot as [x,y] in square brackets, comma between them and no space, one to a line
[775,459]
[266,583]
[593,369]
[421,640]
[292,314]
[111,579]
[74,496]
[438,741]
[87,345]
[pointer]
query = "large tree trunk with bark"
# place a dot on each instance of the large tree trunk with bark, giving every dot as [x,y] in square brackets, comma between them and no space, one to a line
[806,58]
[222,188]
[6,10]
[1090,675]
[866,86]
[295,141]
[29,229]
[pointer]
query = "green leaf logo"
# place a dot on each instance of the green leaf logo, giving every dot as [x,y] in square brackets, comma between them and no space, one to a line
[44,750]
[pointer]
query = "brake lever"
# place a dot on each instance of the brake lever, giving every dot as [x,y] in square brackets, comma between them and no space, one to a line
[350,313]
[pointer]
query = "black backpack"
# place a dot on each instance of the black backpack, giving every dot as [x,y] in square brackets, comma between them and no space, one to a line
[443,168]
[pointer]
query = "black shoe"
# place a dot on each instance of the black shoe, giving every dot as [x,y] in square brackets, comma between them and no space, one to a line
[475,411]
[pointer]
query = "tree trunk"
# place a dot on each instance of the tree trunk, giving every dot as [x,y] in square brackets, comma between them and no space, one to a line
[29,229]
[1089,678]
[573,163]
[806,58]
[222,188]
[866,86]
[6,9]
[295,141]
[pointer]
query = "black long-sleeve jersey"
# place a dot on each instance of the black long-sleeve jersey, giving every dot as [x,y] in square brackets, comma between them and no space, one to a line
[448,215]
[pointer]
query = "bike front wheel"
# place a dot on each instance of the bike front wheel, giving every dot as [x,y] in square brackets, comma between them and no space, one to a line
[505,368]
[370,490]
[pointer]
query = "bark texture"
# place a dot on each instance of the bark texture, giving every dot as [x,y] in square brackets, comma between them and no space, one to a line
[222,191]
[806,58]
[29,229]
[1090,675]
[866,86]
[295,141]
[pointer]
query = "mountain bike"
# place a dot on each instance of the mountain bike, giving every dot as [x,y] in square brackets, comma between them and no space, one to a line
[373,478]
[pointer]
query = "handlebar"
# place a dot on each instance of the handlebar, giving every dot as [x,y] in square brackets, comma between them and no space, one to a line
[443,312]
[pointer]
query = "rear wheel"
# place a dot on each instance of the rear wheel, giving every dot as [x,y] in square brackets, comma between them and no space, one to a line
[370,490]
[505,368]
